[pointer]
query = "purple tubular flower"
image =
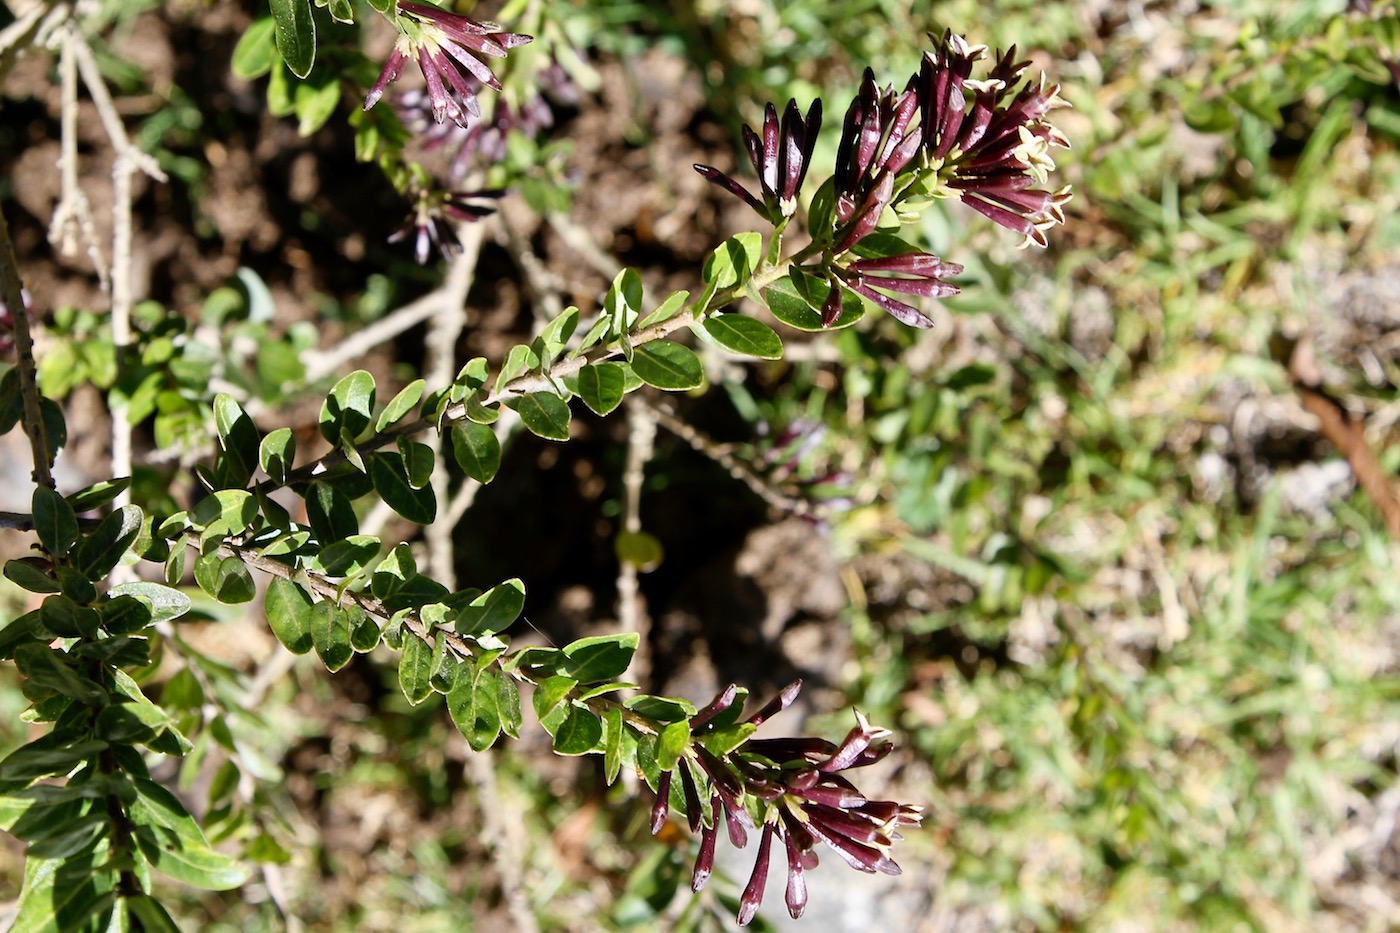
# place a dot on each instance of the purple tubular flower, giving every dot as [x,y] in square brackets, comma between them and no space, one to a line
[431,221]
[796,894]
[705,861]
[753,891]
[693,816]
[911,273]
[661,808]
[448,49]
[719,704]
[779,703]
[781,155]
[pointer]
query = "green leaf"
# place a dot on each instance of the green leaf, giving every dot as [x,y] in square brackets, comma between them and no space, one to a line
[417,461]
[399,406]
[348,557]
[623,302]
[600,658]
[224,578]
[721,742]
[667,365]
[46,757]
[365,633]
[550,691]
[544,415]
[30,577]
[175,845]
[477,449]
[520,360]
[330,514]
[474,702]
[66,895]
[315,105]
[98,494]
[256,51]
[797,299]
[734,260]
[415,669]
[666,310]
[348,408]
[341,10]
[52,669]
[100,551]
[743,335]
[296,34]
[660,709]
[508,705]
[493,610]
[166,603]
[225,512]
[276,454]
[822,211]
[673,740]
[289,615]
[54,520]
[151,914]
[579,733]
[330,634]
[613,730]
[602,386]
[553,337]
[391,481]
[238,438]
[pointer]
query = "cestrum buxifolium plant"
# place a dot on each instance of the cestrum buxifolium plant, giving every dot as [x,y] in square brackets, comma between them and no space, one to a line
[100,829]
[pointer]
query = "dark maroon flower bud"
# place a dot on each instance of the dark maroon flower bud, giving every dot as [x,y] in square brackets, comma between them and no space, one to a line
[662,806]
[719,704]
[796,894]
[692,797]
[705,861]
[753,891]
[779,703]
[913,274]
[781,155]
[447,48]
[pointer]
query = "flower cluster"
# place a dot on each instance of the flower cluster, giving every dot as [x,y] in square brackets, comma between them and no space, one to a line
[433,217]
[946,134]
[449,50]
[483,142]
[797,788]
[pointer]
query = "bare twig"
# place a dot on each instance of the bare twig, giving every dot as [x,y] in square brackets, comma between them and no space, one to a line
[322,363]
[721,454]
[12,290]
[1347,435]
[641,442]
[500,817]
[32,27]
[72,216]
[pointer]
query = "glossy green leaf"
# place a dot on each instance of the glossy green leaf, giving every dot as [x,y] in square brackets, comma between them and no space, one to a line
[550,691]
[613,730]
[579,733]
[151,914]
[348,408]
[239,441]
[418,461]
[315,104]
[46,757]
[225,578]
[671,743]
[734,260]
[330,635]
[743,335]
[167,603]
[30,577]
[100,551]
[623,303]
[520,360]
[289,615]
[256,51]
[276,453]
[664,364]
[493,610]
[391,481]
[602,386]
[330,514]
[365,633]
[600,658]
[666,310]
[477,450]
[399,406]
[98,494]
[660,709]
[473,703]
[415,669]
[508,705]
[348,557]
[225,512]
[174,844]
[54,521]
[295,32]
[799,305]
[544,415]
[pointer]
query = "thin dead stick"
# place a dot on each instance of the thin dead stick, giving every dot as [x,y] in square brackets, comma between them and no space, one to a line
[128,162]
[31,29]
[321,363]
[641,443]
[500,816]
[440,357]
[1347,435]
[72,217]
[12,290]
[736,468]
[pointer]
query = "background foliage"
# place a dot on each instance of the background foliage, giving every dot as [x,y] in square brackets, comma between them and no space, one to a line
[1132,621]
